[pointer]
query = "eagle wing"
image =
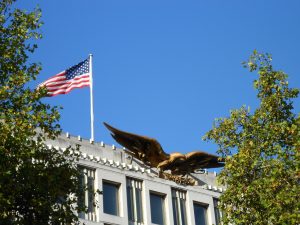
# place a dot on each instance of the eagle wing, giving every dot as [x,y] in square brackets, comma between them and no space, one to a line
[199,160]
[144,148]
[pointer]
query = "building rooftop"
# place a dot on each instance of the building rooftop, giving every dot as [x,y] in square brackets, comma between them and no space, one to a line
[114,157]
[131,193]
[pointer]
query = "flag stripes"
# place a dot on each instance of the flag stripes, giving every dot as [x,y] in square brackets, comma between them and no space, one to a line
[77,76]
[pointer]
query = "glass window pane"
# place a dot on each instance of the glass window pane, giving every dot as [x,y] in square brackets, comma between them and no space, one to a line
[81,188]
[139,205]
[110,199]
[200,214]
[217,212]
[81,197]
[157,209]
[175,211]
[90,186]
[183,212]
[130,203]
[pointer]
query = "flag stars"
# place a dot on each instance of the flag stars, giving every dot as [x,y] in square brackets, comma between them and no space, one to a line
[77,70]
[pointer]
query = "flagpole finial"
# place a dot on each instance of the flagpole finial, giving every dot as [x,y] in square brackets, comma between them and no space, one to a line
[90,54]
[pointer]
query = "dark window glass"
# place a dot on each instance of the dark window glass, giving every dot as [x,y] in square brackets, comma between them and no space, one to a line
[183,212]
[217,212]
[91,191]
[139,205]
[200,214]
[130,203]
[157,208]
[110,198]
[175,211]
[81,197]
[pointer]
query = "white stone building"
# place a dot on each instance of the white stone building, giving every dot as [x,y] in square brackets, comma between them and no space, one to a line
[132,194]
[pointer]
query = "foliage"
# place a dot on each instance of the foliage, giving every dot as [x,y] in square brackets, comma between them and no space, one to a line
[38,185]
[262,153]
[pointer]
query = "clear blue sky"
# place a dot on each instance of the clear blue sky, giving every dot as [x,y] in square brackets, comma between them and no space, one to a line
[164,69]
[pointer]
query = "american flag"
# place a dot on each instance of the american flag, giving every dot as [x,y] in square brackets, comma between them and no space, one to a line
[77,76]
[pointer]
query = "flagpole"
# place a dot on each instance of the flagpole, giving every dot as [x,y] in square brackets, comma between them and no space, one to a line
[92,97]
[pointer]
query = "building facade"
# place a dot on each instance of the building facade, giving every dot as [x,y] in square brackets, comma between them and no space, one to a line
[132,194]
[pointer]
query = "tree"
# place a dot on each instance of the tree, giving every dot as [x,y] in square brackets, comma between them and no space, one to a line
[38,185]
[262,153]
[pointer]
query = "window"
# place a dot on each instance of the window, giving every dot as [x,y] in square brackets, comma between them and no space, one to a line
[200,214]
[157,208]
[87,195]
[111,198]
[134,201]
[179,207]
[218,214]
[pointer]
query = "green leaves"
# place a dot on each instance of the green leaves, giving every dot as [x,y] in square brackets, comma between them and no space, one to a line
[32,176]
[262,172]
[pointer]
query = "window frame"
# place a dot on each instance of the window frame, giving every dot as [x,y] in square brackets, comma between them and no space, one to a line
[217,211]
[117,185]
[178,201]
[205,206]
[134,191]
[163,197]
[89,194]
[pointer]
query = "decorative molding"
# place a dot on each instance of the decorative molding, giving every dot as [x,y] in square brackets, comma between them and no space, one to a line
[135,168]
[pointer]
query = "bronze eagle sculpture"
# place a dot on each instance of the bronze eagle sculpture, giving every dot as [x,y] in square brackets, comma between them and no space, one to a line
[150,152]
